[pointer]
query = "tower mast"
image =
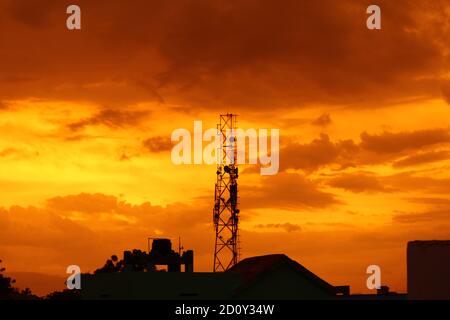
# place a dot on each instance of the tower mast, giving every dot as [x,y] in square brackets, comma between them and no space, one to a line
[225,212]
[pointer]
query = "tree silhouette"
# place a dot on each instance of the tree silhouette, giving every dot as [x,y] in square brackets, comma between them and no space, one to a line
[137,260]
[65,294]
[111,265]
[6,288]
[7,291]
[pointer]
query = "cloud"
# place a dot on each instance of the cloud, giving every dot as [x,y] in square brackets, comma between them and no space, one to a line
[316,154]
[388,142]
[8,151]
[446,92]
[211,54]
[3,106]
[288,227]
[43,229]
[430,201]
[15,154]
[111,209]
[157,144]
[244,47]
[413,181]
[421,158]
[84,202]
[359,182]
[61,232]
[21,12]
[396,147]
[322,121]
[286,191]
[423,217]
[111,118]
[401,182]
[437,212]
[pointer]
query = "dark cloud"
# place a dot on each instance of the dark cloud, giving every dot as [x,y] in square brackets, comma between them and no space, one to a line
[157,144]
[8,151]
[422,217]
[22,12]
[437,212]
[234,53]
[388,142]
[15,153]
[431,201]
[3,105]
[286,191]
[80,137]
[58,239]
[322,121]
[403,148]
[95,205]
[329,224]
[21,227]
[288,227]
[111,118]
[413,181]
[316,154]
[446,92]
[401,182]
[422,158]
[359,182]
[84,202]
[296,39]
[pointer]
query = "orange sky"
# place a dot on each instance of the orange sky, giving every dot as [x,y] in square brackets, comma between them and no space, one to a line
[86,118]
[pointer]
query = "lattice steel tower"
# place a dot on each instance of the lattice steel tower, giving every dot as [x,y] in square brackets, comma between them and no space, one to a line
[225,212]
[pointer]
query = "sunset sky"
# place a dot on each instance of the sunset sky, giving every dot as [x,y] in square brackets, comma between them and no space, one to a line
[86,118]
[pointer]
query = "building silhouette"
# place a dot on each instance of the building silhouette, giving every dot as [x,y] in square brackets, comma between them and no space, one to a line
[264,277]
[273,276]
[428,269]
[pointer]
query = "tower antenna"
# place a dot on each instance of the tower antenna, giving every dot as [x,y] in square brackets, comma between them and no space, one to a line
[226,212]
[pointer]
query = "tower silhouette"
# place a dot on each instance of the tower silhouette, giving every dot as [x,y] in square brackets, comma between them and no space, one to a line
[225,212]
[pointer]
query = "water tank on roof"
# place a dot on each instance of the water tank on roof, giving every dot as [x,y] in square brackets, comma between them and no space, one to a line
[162,246]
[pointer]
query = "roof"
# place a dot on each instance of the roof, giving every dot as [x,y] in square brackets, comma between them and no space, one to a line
[252,269]
[421,243]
